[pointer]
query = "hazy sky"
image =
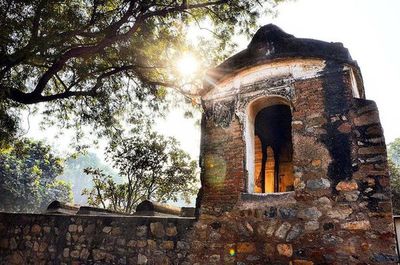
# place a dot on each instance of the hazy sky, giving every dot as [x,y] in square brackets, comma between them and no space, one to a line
[368,28]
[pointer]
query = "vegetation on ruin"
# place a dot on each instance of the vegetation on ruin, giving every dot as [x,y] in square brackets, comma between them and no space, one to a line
[28,171]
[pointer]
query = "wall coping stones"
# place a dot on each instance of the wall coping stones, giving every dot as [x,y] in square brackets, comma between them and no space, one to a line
[272,199]
[19,217]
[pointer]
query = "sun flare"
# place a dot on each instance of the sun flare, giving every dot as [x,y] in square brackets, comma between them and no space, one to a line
[187,64]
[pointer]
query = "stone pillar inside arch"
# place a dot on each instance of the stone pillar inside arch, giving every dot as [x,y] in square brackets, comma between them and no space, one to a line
[339,209]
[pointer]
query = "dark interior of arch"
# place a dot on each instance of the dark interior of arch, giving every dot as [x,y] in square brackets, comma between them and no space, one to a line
[273,149]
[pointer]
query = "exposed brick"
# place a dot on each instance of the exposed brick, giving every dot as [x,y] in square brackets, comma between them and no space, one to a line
[372,150]
[246,247]
[367,119]
[347,186]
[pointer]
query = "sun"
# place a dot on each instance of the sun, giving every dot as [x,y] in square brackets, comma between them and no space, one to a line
[187,64]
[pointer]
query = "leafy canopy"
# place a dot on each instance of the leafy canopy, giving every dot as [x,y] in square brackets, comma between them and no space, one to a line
[93,60]
[394,169]
[28,172]
[152,167]
[74,173]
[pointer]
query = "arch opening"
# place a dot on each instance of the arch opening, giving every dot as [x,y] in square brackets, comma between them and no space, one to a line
[269,146]
[273,149]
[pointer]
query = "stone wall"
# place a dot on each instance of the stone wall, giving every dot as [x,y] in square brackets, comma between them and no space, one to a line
[56,239]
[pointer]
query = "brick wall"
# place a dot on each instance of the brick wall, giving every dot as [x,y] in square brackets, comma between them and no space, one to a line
[340,211]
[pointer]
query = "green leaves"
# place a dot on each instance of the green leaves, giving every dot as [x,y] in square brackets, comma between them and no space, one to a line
[93,61]
[394,170]
[152,167]
[28,172]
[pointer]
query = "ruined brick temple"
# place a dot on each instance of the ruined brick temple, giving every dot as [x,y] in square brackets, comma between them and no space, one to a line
[294,171]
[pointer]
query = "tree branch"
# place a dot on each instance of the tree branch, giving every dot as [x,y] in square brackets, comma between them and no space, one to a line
[111,36]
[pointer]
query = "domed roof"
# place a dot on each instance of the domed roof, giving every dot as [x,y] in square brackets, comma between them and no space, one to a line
[270,43]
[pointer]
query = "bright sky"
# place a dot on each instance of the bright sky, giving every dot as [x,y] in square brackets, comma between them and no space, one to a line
[368,28]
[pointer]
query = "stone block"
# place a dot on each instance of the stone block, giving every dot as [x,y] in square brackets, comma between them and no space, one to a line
[182,245]
[356,225]
[66,252]
[157,229]
[116,231]
[141,231]
[380,196]
[347,185]
[107,229]
[287,213]
[84,254]
[131,243]
[384,258]
[141,243]
[72,228]
[269,249]
[214,258]
[344,127]
[330,239]
[311,225]
[167,245]
[309,214]
[36,229]
[151,244]
[316,162]
[285,250]
[74,254]
[43,246]
[302,262]
[294,233]
[372,150]
[317,184]
[351,196]
[340,213]
[282,230]
[171,230]
[98,254]
[142,259]
[246,247]
[367,119]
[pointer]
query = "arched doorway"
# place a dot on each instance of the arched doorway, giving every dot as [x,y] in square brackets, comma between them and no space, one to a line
[269,145]
[273,149]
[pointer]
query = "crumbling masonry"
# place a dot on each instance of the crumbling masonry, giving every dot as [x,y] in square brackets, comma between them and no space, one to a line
[294,171]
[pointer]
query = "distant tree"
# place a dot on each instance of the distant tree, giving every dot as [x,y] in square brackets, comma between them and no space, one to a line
[395,185]
[74,173]
[92,60]
[394,169]
[28,172]
[394,151]
[152,167]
